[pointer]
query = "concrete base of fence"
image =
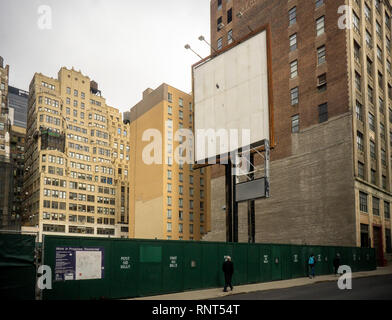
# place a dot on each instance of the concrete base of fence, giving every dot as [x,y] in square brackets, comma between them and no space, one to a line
[217,293]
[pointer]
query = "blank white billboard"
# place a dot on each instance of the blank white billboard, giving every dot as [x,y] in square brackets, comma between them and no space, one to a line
[231,92]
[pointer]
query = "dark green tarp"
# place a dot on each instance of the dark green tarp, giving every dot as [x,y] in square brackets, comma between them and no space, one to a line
[17,268]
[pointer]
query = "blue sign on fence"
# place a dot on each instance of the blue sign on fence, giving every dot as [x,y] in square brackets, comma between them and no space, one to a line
[79,263]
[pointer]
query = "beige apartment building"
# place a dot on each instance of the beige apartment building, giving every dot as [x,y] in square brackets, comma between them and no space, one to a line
[77,159]
[169,199]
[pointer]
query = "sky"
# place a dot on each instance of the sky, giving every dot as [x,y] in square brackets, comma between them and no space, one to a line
[126,46]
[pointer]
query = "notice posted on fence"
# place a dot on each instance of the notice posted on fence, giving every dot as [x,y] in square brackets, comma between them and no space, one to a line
[79,263]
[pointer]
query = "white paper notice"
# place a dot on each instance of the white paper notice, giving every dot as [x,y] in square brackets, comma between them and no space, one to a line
[88,265]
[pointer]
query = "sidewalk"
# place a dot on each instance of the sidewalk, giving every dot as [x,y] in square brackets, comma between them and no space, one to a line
[218,293]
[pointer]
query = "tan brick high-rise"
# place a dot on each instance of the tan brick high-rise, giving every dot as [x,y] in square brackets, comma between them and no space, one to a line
[169,200]
[332,89]
[77,159]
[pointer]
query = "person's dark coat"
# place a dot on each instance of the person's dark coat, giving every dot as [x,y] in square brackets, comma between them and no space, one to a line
[336,262]
[228,268]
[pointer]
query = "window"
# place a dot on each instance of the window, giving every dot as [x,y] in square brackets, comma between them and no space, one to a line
[295,124]
[219,4]
[229,15]
[322,82]
[323,112]
[378,29]
[294,96]
[220,43]
[360,141]
[292,16]
[368,13]
[370,95]
[356,22]
[373,178]
[170,97]
[387,210]
[379,53]
[384,182]
[388,240]
[383,158]
[169,213]
[320,26]
[369,40]
[361,170]
[373,150]
[321,55]
[382,131]
[357,52]
[294,69]
[293,42]
[372,124]
[229,39]
[376,206]
[219,23]
[359,111]
[380,80]
[370,67]
[319,3]
[363,205]
[169,227]
[358,84]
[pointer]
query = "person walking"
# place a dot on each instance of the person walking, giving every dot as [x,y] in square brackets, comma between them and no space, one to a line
[228,269]
[312,263]
[336,263]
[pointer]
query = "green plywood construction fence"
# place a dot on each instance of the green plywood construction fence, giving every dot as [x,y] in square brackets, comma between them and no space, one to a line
[136,268]
[17,267]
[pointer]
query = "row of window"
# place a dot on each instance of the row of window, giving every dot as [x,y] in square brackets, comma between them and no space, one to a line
[181,216]
[181,190]
[373,175]
[181,203]
[322,114]
[363,205]
[77,230]
[47,85]
[181,228]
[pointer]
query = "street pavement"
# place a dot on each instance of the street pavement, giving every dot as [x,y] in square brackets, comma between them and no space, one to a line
[306,286]
[371,288]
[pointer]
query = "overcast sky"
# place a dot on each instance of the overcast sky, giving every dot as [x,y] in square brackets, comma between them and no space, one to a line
[124,45]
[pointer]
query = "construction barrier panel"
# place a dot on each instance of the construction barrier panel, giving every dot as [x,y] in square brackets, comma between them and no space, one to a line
[17,267]
[91,268]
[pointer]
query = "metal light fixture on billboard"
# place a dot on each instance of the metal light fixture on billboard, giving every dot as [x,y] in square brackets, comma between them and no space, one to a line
[201,38]
[188,47]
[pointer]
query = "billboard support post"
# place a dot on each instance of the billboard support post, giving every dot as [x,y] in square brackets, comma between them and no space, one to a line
[229,203]
[249,191]
[235,203]
[251,207]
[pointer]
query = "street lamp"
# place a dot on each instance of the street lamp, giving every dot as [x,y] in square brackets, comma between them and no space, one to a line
[188,47]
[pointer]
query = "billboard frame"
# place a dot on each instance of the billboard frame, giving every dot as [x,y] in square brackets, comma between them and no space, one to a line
[258,146]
